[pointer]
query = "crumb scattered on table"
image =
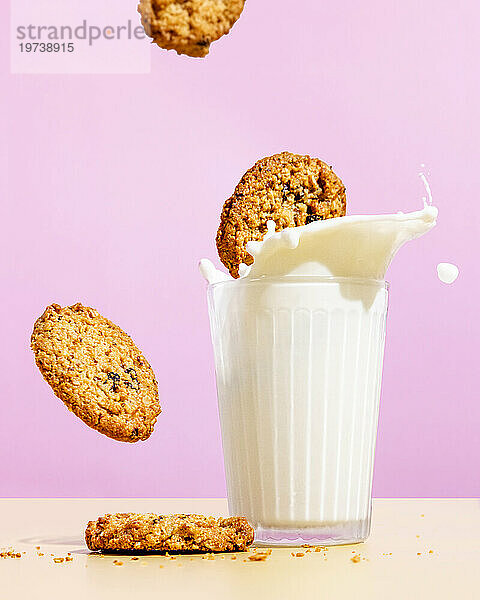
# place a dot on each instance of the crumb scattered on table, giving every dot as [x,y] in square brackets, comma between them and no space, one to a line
[4,553]
[259,556]
[356,558]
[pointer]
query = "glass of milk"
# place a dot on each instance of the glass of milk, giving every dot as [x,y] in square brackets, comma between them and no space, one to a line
[299,366]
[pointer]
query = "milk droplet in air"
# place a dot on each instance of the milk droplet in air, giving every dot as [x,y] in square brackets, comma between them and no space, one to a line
[426,199]
[447,272]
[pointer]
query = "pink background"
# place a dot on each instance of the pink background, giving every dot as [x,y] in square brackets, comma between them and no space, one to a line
[114,186]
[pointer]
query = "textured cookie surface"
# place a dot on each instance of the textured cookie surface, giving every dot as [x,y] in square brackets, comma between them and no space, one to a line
[97,371]
[168,533]
[188,26]
[287,188]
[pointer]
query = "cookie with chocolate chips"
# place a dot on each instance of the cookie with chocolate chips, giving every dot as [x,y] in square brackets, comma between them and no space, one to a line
[132,532]
[188,26]
[97,371]
[289,189]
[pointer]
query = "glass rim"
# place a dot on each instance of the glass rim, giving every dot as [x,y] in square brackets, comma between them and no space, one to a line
[302,279]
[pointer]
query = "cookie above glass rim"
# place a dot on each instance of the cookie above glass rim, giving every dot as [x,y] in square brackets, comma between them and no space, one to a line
[96,369]
[289,189]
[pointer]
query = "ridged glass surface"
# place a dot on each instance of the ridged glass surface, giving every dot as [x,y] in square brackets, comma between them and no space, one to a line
[298,370]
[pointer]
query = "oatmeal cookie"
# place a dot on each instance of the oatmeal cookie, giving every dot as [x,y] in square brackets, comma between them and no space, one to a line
[131,532]
[287,188]
[188,26]
[97,371]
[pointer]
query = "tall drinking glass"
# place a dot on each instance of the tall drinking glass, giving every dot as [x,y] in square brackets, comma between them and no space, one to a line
[299,366]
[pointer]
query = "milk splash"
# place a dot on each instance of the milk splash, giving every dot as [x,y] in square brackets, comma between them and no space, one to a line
[360,246]
[428,199]
[447,272]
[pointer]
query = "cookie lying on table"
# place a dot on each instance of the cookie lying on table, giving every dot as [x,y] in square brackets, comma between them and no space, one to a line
[188,26]
[289,189]
[168,533]
[97,371]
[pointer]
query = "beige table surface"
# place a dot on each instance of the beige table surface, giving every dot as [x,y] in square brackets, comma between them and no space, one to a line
[396,561]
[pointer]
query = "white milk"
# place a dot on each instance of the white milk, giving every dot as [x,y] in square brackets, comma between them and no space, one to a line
[447,273]
[355,246]
[298,343]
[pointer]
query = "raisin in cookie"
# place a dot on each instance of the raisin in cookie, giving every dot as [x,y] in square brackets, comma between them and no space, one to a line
[97,371]
[188,26]
[131,532]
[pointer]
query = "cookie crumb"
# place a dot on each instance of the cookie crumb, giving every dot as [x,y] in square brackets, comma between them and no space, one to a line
[58,560]
[209,556]
[10,554]
[68,558]
[118,563]
[258,557]
[356,558]
[134,558]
